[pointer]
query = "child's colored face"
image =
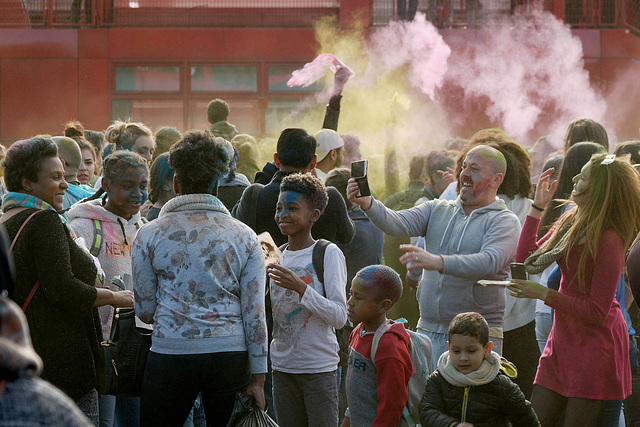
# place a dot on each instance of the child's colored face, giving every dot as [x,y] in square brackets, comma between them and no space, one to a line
[294,213]
[363,305]
[127,193]
[467,353]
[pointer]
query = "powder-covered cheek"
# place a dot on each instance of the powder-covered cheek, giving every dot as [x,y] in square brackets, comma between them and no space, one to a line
[481,186]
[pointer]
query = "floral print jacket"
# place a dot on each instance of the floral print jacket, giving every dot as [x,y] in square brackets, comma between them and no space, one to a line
[199,277]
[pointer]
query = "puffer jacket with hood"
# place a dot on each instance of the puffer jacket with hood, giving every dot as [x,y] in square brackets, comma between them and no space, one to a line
[114,253]
[478,246]
[487,400]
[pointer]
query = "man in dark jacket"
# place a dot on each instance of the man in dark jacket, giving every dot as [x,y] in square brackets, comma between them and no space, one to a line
[257,206]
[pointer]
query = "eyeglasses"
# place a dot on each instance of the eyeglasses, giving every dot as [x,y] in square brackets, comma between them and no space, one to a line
[608,159]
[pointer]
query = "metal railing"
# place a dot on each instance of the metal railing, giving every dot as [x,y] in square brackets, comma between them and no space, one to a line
[302,13]
[112,13]
[470,13]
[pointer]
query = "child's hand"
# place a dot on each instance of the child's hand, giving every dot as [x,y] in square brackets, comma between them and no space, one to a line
[286,278]
[465,425]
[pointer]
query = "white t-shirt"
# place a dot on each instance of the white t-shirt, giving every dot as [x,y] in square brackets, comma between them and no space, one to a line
[303,338]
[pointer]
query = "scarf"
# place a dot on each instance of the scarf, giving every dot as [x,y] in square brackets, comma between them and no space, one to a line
[21,200]
[483,375]
[538,261]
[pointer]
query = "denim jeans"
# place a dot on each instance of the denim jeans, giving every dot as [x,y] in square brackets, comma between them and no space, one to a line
[172,382]
[127,412]
[119,411]
[610,414]
[306,399]
[544,321]
[107,410]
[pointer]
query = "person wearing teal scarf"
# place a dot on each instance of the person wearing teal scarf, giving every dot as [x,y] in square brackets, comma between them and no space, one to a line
[54,277]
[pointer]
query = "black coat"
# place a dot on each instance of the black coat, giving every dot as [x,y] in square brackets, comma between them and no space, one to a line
[64,325]
[334,224]
[491,405]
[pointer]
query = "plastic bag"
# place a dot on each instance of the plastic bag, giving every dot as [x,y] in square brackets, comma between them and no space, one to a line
[246,413]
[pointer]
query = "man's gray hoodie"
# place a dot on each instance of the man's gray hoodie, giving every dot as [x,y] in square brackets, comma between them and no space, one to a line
[474,247]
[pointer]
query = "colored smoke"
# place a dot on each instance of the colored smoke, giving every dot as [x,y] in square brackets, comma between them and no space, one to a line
[532,77]
[413,89]
[416,45]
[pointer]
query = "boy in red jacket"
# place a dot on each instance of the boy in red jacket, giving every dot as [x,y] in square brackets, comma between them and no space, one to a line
[377,392]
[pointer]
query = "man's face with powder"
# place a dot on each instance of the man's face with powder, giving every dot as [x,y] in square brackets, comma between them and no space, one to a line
[477,179]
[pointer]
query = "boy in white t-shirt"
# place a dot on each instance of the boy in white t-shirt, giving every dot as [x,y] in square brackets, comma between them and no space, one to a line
[304,350]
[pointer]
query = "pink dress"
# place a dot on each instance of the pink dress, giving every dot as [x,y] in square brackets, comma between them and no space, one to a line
[587,354]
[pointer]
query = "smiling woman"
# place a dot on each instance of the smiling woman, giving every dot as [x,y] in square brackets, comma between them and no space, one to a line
[588,243]
[55,278]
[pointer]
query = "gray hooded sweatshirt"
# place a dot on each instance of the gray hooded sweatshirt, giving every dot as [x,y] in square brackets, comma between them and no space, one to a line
[474,247]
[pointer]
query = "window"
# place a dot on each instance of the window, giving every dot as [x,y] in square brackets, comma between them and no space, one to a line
[224,78]
[147,79]
[151,112]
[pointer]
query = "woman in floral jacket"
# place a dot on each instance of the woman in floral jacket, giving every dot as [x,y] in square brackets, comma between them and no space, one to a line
[199,278]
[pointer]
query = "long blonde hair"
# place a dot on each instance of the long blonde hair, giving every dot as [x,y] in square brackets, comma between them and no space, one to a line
[613,202]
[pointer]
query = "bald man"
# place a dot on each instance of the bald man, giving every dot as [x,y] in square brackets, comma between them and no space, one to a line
[471,238]
[71,156]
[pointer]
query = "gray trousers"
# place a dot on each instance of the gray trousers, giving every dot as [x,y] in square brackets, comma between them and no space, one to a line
[306,399]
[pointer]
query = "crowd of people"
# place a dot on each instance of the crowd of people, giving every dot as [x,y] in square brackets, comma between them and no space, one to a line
[174,225]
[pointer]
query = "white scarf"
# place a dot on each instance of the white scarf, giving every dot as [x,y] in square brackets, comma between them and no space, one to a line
[483,375]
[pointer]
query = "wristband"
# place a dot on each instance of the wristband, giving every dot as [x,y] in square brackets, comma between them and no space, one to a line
[536,207]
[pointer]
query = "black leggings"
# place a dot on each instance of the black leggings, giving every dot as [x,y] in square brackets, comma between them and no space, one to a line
[172,382]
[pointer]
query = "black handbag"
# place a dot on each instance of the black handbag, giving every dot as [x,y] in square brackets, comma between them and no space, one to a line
[125,355]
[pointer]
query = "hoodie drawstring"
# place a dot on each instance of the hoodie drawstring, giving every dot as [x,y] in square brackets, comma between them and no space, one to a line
[123,232]
[448,224]
[464,230]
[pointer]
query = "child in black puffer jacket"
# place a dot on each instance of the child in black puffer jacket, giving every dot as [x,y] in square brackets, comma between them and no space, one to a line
[471,386]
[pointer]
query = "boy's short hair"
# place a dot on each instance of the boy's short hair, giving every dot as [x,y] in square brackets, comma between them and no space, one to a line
[217,111]
[387,282]
[471,325]
[311,188]
[296,148]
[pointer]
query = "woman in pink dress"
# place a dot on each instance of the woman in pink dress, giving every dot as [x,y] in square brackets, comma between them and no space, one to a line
[586,361]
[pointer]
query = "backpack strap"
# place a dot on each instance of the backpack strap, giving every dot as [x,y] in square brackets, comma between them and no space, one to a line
[97,238]
[378,336]
[253,204]
[317,259]
[374,347]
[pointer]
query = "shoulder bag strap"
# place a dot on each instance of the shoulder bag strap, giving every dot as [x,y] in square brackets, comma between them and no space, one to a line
[15,239]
